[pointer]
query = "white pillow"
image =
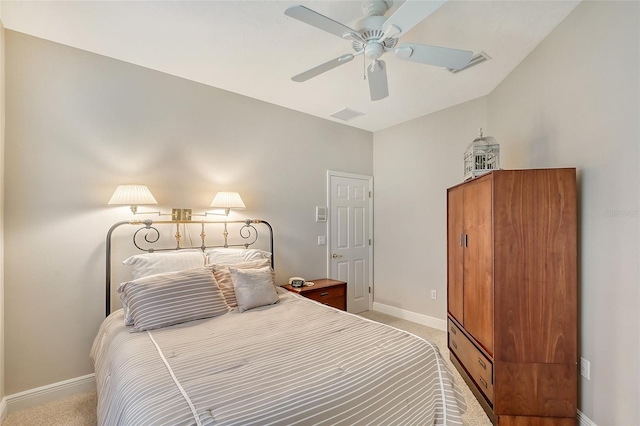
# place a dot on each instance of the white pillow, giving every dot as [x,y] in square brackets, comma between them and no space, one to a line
[253,288]
[159,263]
[229,256]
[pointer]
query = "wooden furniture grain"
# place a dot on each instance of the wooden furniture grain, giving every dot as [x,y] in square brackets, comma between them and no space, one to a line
[329,292]
[512,293]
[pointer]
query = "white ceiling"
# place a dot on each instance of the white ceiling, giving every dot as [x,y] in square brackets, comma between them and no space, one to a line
[252,48]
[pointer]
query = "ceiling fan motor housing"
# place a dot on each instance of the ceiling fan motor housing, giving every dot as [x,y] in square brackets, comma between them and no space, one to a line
[371,29]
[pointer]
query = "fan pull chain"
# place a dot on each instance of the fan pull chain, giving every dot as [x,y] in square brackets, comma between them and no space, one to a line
[364,68]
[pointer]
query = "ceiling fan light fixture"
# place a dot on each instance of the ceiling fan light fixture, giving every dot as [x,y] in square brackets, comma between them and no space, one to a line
[373,51]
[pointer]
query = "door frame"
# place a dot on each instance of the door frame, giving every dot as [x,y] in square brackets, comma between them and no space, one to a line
[330,174]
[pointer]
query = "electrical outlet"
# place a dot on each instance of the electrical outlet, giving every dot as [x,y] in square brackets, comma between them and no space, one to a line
[434,294]
[322,240]
[585,368]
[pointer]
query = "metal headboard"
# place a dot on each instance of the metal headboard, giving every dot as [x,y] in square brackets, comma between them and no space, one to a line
[247,233]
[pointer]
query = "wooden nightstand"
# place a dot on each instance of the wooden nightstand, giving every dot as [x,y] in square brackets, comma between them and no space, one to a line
[329,292]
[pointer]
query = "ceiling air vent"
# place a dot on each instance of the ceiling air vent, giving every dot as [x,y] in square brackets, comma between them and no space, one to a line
[475,60]
[346,114]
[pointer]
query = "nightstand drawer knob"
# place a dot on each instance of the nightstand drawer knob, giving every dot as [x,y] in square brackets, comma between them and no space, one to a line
[326,293]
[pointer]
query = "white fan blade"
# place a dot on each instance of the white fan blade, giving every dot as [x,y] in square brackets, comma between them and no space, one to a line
[377,75]
[317,20]
[410,13]
[434,55]
[322,68]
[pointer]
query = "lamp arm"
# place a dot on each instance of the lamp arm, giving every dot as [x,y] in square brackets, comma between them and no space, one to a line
[226,213]
[134,210]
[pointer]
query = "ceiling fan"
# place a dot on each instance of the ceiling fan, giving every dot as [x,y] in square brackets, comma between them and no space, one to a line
[377,35]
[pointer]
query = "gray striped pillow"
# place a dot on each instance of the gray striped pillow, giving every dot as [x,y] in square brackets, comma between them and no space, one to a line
[174,297]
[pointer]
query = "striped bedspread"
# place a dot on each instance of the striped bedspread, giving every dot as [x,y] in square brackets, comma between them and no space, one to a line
[296,362]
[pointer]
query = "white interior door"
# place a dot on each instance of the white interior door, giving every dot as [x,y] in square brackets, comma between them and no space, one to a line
[350,240]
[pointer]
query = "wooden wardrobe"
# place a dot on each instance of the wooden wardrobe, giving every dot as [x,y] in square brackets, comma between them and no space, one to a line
[512,293]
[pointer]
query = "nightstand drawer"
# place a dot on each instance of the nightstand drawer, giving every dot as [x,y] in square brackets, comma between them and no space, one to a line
[327,291]
[479,367]
[335,302]
[323,294]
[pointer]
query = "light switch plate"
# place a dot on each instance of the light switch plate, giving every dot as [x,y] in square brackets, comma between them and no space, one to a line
[321,214]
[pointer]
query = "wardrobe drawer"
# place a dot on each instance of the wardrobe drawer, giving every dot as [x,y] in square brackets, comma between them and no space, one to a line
[479,367]
[481,370]
[456,342]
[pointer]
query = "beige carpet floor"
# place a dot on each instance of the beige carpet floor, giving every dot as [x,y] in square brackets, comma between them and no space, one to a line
[80,409]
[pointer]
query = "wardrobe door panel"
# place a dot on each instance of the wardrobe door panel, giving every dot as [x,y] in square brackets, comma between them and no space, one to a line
[478,262]
[455,240]
[535,266]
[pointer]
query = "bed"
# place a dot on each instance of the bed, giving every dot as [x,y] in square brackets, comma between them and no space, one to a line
[289,361]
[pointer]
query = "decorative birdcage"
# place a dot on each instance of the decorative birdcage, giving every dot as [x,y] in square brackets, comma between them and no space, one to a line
[481,156]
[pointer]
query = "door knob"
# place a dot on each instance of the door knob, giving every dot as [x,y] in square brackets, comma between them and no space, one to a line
[335,256]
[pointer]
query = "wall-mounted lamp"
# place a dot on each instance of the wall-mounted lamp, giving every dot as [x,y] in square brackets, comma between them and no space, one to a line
[223,202]
[133,196]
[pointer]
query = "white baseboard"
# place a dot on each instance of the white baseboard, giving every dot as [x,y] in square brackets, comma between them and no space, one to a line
[48,393]
[432,322]
[3,409]
[583,420]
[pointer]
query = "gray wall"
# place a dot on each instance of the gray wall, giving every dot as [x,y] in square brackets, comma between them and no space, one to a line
[414,163]
[79,124]
[574,101]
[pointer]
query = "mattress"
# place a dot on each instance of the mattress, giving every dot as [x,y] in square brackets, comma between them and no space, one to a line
[295,362]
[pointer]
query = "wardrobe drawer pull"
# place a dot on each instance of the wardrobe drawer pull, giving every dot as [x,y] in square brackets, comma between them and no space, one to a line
[454,331]
[483,383]
[455,346]
[324,294]
[482,364]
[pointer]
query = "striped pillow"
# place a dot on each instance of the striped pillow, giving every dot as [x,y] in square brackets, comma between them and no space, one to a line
[158,263]
[223,277]
[165,299]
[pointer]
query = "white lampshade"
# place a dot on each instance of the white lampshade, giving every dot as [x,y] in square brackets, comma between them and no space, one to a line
[227,200]
[132,195]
